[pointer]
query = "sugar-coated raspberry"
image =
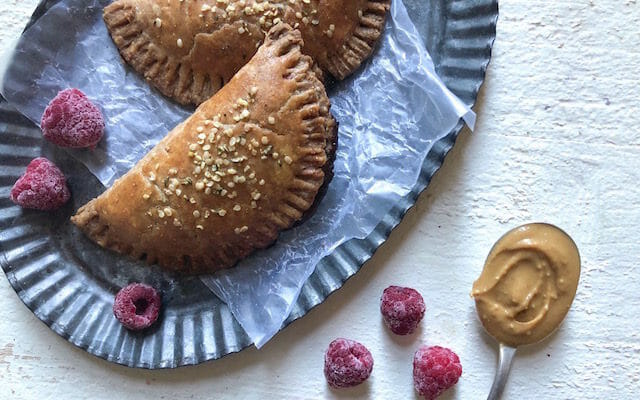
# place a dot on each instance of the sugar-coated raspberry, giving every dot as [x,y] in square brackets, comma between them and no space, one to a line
[137,306]
[402,309]
[42,187]
[347,363]
[72,120]
[435,369]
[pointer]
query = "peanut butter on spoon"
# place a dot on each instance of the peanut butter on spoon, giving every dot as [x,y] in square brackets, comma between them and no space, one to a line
[526,288]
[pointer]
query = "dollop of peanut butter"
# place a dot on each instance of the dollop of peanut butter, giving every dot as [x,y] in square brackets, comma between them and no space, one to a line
[528,284]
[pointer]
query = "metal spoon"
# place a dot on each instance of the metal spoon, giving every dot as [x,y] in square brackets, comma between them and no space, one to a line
[504,366]
[544,238]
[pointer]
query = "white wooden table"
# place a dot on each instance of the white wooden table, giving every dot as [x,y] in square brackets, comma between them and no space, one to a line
[557,140]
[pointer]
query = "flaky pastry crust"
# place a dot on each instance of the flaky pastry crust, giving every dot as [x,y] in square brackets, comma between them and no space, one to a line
[188,49]
[247,164]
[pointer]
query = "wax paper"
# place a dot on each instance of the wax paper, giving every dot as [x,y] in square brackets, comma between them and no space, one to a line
[390,111]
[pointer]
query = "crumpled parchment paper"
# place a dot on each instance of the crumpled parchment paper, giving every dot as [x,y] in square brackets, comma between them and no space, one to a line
[390,113]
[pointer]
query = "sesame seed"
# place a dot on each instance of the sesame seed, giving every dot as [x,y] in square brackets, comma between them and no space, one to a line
[241,229]
[200,129]
[261,183]
[160,213]
[176,222]
[237,207]
[254,204]
[253,90]
[157,23]
[145,196]
[199,185]
[179,43]
[288,160]
[196,214]
[168,212]
[264,140]
[222,212]
[200,227]
[256,195]
[271,120]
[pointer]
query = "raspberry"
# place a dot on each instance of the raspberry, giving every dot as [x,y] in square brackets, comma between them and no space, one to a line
[137,306]
[435,369]
[42,187]
[347,363]
[72,120]
[402,309]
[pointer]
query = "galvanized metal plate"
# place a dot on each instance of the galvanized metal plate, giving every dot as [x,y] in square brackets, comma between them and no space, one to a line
[48,264]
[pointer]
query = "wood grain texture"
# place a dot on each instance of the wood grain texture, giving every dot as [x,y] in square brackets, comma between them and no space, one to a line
[557,140]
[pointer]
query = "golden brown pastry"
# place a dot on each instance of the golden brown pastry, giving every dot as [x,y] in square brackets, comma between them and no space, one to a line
[188,49]
[247,164]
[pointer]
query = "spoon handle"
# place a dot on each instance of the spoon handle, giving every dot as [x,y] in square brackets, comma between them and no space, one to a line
[504,365]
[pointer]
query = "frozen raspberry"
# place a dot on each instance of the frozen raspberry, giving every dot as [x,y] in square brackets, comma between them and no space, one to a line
[137,306]
[402,309]
[72,120]
[435,369]
[42,187]
[347,363]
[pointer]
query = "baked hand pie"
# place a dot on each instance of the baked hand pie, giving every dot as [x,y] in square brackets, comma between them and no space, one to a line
[247,164]
[188,49]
